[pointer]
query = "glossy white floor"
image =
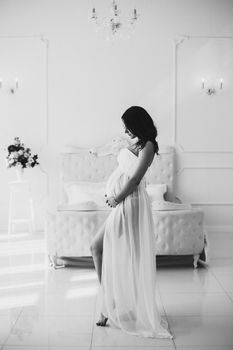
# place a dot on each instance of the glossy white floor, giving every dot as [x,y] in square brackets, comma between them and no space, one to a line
[42,308]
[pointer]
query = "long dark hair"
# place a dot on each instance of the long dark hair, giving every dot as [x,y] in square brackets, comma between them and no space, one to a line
[138,121]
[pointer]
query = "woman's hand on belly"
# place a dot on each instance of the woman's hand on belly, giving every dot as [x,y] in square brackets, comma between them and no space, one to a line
[110,200]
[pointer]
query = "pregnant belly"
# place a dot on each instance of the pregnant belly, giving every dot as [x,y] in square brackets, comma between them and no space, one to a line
[117,180]
[114,183]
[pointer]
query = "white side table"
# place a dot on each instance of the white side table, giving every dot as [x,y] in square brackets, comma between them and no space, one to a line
[20,191]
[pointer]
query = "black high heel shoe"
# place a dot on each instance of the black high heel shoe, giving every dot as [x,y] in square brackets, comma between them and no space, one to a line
[102,322]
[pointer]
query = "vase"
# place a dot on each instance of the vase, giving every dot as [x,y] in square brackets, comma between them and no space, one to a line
[19,173]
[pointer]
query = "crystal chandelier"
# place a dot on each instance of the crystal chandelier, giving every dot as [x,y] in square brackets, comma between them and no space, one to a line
[115,25]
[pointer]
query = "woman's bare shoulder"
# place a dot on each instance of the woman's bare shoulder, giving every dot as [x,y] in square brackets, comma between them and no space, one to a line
[148,148]
[149,145]
[148,151]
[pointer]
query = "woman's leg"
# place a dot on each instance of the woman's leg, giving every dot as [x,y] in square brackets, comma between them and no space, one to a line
[97,250]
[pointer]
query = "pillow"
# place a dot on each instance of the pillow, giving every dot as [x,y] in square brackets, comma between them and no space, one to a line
[83,192]
[84,206]
[156,191]
[166,205]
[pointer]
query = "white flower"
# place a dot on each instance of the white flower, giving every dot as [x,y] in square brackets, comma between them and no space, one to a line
[26,155]
[11,161]
[17,141]
[15,154]
[20,152]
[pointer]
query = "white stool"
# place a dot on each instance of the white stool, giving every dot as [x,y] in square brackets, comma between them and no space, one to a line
[20,189]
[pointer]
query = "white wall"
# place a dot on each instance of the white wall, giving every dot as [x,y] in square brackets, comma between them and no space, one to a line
[92,81]
[204,124]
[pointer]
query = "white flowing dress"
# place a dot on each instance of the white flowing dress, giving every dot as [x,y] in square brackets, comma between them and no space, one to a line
[128,286]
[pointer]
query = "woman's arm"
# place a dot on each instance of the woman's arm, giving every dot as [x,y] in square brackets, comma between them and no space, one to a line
[145,158]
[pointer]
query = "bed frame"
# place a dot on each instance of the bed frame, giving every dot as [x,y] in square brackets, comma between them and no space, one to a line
[69,232]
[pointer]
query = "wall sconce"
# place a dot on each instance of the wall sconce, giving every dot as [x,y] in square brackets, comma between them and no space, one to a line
[211,90]
[12,90]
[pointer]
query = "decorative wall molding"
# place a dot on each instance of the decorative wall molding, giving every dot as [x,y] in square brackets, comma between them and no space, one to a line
[176,44]
[45,42]
[181,149]
[220,229]
[213,204]
[207,204]
[45,146]
[204,167]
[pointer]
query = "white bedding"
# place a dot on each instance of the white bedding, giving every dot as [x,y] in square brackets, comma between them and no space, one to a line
[91,206]
[166,205]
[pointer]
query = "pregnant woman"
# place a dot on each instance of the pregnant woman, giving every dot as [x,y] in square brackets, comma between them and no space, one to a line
[123,249]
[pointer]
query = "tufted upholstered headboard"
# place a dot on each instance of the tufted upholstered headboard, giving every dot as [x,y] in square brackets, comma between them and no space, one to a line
[95,165]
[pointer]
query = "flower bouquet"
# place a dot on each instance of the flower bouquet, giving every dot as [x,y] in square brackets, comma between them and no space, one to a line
[20,156]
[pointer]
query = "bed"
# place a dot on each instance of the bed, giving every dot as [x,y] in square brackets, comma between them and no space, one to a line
[179,228]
